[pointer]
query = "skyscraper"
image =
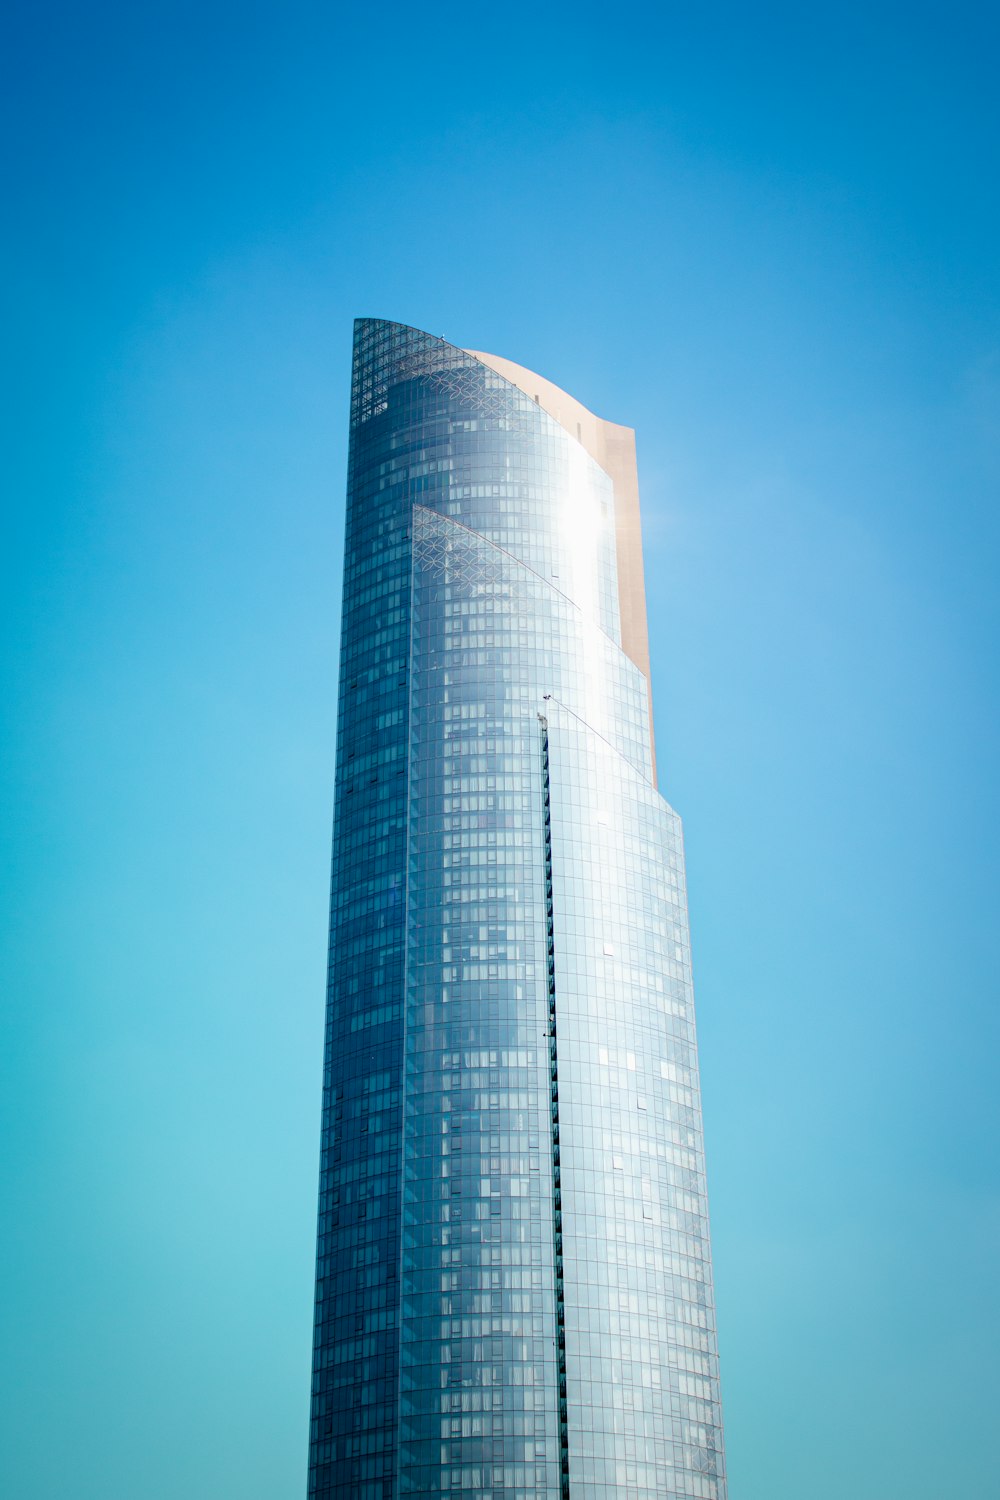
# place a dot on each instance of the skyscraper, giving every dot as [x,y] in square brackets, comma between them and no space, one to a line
[513,1293]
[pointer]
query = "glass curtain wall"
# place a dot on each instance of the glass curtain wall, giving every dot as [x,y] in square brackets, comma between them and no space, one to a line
[513,1284]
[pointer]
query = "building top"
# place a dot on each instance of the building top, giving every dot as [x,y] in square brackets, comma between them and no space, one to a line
[612,446]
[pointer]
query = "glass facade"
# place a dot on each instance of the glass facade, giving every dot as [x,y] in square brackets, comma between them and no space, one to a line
[513,1293]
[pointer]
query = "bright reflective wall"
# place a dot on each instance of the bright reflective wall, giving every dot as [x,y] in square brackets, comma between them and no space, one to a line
[513,1288]
[642,1364]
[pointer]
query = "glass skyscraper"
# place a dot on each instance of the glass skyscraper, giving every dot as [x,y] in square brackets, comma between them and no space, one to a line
[513,1291]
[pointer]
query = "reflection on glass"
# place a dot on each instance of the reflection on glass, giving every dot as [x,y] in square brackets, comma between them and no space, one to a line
[513,1284]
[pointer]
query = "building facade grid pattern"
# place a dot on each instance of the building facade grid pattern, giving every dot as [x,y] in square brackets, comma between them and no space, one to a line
[513,1278]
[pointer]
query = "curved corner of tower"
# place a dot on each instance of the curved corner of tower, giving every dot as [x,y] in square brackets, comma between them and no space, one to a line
[612,446]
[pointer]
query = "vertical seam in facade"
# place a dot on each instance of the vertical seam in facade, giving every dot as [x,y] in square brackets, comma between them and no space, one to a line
[550,968]
[397,1446]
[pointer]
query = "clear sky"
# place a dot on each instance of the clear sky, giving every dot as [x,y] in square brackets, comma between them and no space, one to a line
[767,238]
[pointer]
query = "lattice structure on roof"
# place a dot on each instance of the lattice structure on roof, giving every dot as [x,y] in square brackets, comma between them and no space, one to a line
[387,354]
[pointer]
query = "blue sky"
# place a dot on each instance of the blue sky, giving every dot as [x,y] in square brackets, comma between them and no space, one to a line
[767,240]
